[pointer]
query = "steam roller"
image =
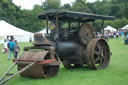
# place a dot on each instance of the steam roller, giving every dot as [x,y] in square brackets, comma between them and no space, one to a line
[71,41]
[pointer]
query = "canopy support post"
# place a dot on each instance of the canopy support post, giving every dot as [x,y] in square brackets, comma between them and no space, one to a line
[47,24]
[103,27]
[57,30]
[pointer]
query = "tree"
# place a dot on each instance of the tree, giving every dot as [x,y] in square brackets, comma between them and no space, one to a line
[67,6]
[51,4]
[24,19]
[100,7]
[81,6]
[29,19]
[8,11]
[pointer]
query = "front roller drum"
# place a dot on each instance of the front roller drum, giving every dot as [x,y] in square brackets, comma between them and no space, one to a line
[39,71]
[97,54]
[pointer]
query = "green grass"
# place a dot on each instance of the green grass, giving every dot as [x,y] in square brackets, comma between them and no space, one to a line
[115,74]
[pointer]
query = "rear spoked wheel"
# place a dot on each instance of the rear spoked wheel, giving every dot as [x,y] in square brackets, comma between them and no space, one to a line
[97,54]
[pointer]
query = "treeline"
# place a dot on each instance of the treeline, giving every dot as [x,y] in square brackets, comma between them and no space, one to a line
[28,20]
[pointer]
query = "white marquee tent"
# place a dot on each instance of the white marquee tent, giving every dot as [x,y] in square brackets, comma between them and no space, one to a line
[44,31]
[125,27]
[109,28]
[20,35]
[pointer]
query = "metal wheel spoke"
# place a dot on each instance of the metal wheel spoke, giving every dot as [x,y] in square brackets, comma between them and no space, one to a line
[97,59]
[104,52]
[99,46]
[102,55]
[96,52]
[101,49]
[101,61]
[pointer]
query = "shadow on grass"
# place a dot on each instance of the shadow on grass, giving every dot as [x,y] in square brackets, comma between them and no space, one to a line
[84,70]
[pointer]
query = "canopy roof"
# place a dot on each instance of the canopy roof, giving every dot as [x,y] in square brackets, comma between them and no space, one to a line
[125,27]
[73,16]
[110,28]
[7,29]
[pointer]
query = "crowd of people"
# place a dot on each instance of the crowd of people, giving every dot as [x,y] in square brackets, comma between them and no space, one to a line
[108,35]
[11,47]
[116,34]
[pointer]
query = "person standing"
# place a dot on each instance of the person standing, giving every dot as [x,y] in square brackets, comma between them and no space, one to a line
[30,39]
[114,34]
[126,39]
[117,35]
[5,47]
[11,44]
[16,49]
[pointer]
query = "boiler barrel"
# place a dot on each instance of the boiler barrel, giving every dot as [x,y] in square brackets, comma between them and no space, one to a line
[66,48]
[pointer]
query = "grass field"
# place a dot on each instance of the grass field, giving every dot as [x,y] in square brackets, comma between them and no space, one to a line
[115,74]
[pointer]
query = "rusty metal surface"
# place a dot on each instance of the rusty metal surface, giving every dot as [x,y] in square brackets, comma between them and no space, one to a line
[86,33]
[33,55]
[47,62]
[97,54]
[39,71]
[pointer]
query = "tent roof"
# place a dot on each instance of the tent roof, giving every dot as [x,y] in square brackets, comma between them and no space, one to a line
[110,28]
[125,27]
[7,29]
[44,31]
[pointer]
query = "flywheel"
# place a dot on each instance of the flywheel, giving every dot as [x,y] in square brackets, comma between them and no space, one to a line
[86,33]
